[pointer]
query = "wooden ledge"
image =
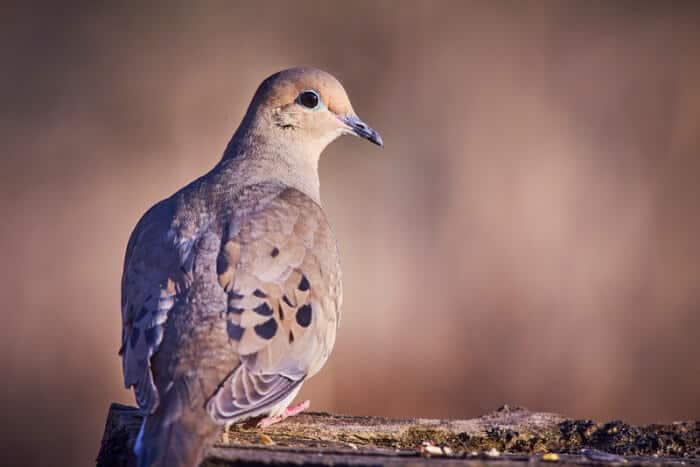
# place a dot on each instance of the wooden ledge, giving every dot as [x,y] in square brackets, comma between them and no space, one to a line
[508,435]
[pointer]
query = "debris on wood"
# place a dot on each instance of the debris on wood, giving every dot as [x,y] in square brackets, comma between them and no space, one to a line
[428,449]
[508,436]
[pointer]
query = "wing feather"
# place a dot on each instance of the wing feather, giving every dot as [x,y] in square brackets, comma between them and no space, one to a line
[151,283]
[280,319]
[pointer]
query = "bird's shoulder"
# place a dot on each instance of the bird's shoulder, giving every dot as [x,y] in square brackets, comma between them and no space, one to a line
[279,217]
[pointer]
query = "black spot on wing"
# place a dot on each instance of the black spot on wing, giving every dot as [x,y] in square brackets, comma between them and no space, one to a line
[304,316]
[234,310]
[263,309]
[287,301]
[291,337]
[275,251]
[234,296]
[234,331]
[259,293]
[304,284]
[281,312]
[221,264]
[267,329]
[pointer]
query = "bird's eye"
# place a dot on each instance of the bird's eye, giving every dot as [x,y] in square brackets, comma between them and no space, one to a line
[308,99]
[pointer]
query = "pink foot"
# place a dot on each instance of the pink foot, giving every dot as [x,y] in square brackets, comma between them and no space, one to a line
[288,412]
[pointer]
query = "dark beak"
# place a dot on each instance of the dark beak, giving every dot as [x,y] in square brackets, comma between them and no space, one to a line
[361,129]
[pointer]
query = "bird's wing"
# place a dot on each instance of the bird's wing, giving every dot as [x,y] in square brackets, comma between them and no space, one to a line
[151,281]
[280,271]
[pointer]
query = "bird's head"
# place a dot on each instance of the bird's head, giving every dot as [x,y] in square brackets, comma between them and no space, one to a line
[302,110]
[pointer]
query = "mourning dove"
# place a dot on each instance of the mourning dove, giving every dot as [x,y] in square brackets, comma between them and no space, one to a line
[231,290]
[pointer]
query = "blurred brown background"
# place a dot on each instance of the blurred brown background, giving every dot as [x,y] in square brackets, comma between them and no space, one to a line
[529,234]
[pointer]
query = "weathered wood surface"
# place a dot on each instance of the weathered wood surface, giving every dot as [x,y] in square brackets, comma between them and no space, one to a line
[509,435]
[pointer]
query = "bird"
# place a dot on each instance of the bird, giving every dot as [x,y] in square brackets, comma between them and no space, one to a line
[231,287]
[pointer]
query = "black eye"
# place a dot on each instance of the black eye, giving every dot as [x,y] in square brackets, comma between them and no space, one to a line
[308,99]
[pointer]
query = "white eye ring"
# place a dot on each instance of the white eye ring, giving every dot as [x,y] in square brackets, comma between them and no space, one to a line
[309,99]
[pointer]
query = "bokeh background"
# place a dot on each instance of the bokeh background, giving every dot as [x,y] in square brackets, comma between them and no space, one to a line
[529,234]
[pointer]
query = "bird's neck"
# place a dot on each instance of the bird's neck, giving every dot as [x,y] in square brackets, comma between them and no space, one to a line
[252,158]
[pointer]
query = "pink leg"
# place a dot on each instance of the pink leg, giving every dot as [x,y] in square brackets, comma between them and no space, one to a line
[288,412]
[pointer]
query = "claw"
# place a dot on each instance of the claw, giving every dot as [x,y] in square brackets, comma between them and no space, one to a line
[288,412]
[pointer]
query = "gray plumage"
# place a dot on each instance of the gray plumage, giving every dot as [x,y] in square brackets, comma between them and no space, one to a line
[231,290]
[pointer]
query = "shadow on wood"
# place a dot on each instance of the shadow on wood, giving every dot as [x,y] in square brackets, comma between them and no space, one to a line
[508,435]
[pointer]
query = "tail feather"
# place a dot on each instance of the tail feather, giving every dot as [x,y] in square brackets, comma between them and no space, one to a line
[172,444]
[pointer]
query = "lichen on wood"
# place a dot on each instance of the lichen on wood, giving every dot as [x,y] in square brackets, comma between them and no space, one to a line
[510,434]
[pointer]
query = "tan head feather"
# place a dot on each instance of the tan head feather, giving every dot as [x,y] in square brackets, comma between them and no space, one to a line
[283,88]
[293,116]
[299,111]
